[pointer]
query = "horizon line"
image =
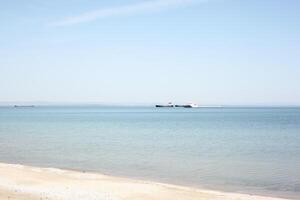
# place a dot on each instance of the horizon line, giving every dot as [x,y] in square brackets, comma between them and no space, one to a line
[61,103]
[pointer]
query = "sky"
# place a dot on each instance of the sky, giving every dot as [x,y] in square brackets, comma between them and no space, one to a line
[211,52]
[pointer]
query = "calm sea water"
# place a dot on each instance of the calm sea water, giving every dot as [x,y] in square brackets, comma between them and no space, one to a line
[250,150]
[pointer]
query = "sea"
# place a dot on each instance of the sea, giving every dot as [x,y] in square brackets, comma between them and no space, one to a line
[253,150]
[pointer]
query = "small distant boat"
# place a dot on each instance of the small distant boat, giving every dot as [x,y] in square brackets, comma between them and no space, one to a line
[169,105]
[190,105]
[23,106]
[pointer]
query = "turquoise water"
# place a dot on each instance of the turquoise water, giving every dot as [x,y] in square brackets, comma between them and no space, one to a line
[249,150]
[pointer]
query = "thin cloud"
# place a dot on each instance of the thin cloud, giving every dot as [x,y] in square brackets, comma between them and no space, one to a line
[145,6]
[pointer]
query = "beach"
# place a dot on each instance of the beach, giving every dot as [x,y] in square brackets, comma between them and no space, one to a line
[149,100]
[34,183]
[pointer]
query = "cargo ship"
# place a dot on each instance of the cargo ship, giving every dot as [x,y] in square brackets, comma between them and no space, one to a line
[169,105]
[190,105]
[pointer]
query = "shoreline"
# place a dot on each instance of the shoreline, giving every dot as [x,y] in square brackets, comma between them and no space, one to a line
[32,183]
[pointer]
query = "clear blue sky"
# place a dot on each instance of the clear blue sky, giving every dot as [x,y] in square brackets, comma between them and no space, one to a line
[138,51]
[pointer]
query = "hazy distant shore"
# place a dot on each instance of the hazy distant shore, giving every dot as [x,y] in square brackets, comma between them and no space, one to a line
[32,183]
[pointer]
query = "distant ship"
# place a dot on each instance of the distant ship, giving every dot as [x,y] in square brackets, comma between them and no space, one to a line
[23,106]
[190,105]
[169,105]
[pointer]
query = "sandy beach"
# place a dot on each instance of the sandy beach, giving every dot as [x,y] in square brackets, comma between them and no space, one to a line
[33,183]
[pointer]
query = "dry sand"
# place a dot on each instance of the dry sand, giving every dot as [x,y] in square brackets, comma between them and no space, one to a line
[32,183]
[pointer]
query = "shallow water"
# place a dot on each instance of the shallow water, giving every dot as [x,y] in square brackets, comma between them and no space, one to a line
[250,150]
